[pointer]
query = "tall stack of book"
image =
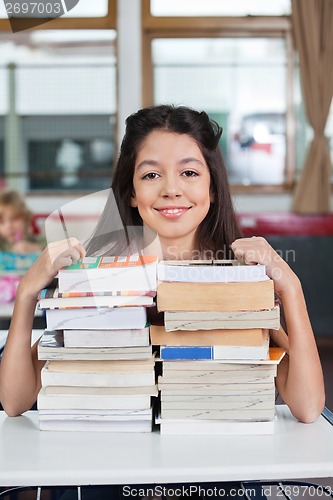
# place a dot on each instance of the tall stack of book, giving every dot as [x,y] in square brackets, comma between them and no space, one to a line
[218,368]
[99,371]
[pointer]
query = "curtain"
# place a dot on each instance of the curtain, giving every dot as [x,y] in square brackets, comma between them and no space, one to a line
[313,32]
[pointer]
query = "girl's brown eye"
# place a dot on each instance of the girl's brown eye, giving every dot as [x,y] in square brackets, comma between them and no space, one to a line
[190,173]
[150,175]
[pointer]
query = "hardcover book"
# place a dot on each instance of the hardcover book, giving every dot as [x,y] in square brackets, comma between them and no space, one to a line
[205,271]
[109,274]
[249,296]
[51,346]
[210,320]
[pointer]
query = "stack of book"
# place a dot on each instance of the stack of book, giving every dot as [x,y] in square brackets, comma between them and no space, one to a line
[99,371]
[218,368]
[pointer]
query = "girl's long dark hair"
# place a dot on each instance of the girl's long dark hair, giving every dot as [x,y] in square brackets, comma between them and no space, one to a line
[219,228]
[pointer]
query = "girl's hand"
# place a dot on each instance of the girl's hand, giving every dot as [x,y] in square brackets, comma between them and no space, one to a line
[55,256]
[256,250]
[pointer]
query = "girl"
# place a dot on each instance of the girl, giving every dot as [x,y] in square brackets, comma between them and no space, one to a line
[171,183]
[15,224]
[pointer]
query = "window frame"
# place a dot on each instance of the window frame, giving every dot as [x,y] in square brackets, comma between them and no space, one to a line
[106,22]
[154,27]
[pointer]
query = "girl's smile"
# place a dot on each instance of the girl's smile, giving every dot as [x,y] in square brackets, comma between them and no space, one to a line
[171,187]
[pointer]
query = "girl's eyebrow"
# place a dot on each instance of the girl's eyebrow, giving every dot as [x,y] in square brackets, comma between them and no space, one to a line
[154,163]
[144,163]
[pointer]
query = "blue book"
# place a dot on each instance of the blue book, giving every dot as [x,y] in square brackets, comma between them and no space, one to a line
[187,352]
[215,352]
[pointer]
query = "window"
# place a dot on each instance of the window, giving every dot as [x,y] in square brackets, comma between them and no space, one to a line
[235,61]
[219,75]
[220,8]
[62,110]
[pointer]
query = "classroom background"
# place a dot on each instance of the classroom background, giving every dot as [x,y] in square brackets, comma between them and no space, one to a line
[262,70]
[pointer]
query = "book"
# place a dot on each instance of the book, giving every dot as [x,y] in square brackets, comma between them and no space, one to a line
[95,301]
[172,296]
[107,338]
[235,415]
[83,425]
[240,338]
[51,293]
[208,271]
[95,398]
[210,320]
[275,355]
[97,374]
[107,274]
[188,427]
[219,390]
[216,352]
[217,378]
[215,402]
[51,346]
[96,318]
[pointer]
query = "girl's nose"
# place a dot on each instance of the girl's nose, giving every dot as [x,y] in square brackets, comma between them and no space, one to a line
[171,187]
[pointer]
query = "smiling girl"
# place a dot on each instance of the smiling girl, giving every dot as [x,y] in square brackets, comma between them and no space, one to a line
[171,188]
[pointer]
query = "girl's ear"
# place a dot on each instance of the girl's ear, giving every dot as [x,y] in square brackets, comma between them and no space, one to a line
[211,196]
[133,201]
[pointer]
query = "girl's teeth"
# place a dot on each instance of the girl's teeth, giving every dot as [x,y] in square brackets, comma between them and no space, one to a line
[172,211]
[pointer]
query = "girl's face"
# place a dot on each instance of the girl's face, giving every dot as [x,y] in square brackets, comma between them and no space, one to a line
[12,225]
[171,187]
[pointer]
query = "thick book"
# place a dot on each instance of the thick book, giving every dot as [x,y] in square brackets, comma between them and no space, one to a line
[51,346]
[214,402]
[95,301]
[216,352]
[96,374]
[192,427]
[275,355]
[209,271]
[107,274]
[95,398]
[211,320]
[249,296]
[107,338]
[96,318]
[235,415]
[83,425]
[217,378]
[254,337]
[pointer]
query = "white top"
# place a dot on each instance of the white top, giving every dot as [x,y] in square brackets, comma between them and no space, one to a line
[31,457]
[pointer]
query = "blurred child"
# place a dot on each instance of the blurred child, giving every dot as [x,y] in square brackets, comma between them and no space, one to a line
[15,225]
[18,247]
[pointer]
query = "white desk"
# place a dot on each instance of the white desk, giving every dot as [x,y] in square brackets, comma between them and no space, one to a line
[31,457]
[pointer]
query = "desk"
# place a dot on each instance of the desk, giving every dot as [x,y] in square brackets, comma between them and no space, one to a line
[29,456]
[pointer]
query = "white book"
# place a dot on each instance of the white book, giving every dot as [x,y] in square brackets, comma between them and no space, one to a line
[51,346]
[97,398]
[110,274]
[188,427]
[223,414]
[218,404]
[215,400]
[60,414]
[96,425]
[239,390]
[80,378]
[107,338]
[96,301]
[96,318]
[209,271]
[222,378]
[210,320]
